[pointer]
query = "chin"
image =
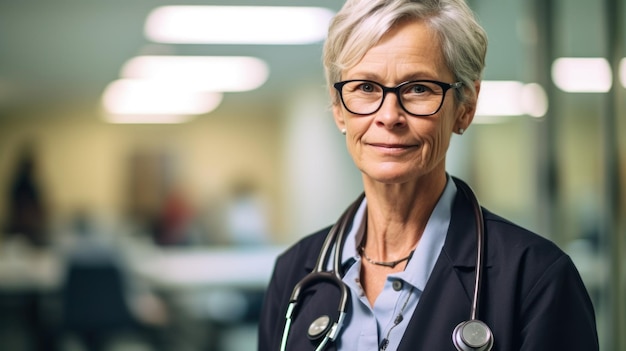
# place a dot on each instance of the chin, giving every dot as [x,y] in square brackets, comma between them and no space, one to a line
[390,174]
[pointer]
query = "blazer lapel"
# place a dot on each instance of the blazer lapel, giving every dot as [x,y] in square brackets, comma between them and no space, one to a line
[447,297]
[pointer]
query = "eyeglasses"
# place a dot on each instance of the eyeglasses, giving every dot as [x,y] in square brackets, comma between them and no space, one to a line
[416,97]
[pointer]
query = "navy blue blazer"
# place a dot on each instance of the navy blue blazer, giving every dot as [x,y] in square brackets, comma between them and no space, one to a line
[532,296]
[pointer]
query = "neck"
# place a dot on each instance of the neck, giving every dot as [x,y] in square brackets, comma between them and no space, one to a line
[397,215]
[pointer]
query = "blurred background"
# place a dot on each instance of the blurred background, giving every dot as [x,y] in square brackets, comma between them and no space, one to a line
[155,159]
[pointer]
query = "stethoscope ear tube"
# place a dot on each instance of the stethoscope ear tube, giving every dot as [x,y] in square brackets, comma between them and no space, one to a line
[334,238]
[474,335]
[314,278]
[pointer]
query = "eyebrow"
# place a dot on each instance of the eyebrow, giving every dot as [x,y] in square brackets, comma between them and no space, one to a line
[410,77]
[419,76]
[364,76]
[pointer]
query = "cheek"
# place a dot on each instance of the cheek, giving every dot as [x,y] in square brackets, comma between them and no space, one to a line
[448,121]
[356,127]
[352,134]
[437,139]
[443,141]
[356,130]
[435,143]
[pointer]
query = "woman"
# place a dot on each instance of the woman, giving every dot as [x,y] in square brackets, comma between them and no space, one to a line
[404,76]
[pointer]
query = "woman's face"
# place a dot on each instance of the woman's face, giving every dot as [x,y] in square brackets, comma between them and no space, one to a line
[390,145]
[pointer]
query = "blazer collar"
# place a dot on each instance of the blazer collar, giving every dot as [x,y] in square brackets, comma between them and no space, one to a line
[461,241]
[316,248]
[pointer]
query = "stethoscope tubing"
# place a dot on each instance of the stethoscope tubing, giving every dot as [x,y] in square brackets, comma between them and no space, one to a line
[480,230]
[335,240]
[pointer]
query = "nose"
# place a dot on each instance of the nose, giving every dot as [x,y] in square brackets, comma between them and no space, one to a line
[391,115]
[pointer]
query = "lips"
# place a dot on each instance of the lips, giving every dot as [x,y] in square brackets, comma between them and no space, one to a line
[392,149]
[393,146]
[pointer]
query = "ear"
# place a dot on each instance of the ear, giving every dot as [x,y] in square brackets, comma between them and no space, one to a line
[338,116]
[468,110]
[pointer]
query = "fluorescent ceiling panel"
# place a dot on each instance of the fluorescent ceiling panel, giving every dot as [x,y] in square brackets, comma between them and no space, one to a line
[153,97]
[500,98]
[510,98]
[237,24]
[206,73]
[582,74]
[534,100]
[622,72]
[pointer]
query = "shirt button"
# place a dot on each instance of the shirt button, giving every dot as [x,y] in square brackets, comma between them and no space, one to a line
[397,285]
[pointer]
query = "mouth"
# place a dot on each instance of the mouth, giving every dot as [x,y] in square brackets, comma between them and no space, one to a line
[393,146]
[390,148]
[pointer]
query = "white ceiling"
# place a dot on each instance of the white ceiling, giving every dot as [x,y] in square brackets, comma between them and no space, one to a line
[67,51]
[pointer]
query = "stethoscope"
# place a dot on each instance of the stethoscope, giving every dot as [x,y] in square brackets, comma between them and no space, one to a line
[471,335]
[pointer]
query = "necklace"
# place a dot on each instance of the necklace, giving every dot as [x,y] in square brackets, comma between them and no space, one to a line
[390,264]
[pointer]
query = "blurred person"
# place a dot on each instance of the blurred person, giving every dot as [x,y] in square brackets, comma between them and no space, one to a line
[246,214]
[173,223]
[27,210]
[416,263]
[26,244]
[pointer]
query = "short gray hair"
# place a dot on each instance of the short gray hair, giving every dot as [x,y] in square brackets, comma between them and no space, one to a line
[360,24]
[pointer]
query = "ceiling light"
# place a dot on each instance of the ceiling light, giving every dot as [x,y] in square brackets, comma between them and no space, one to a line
[500,98]
[534,100]
[622,71]
[237,24]
[206,73]
[152,97]
[510,98]
[582,75]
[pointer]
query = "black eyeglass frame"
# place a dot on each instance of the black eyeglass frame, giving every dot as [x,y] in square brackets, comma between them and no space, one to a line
[396,90]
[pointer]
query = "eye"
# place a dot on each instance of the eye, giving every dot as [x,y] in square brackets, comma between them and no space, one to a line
[418,88]
[366,87]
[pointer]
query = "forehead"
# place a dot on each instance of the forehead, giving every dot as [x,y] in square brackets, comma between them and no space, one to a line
[410,50]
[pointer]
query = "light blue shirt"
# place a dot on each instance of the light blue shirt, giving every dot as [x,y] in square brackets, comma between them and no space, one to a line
[367,326]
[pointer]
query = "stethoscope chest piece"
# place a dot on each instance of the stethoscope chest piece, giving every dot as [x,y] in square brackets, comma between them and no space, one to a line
[319,327]
[472,335]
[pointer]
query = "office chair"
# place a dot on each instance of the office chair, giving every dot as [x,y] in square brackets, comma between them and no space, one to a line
[94,304]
